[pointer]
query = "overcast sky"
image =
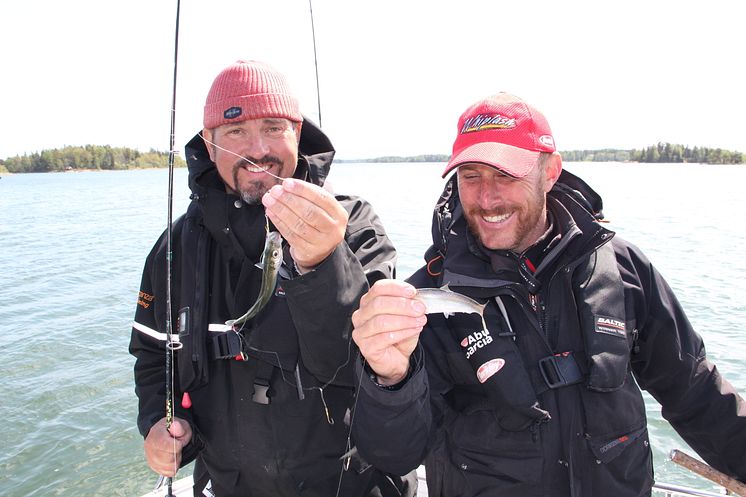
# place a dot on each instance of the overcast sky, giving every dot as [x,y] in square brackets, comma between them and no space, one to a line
[394,75]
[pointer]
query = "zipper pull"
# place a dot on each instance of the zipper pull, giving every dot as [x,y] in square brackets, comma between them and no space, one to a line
[533,299]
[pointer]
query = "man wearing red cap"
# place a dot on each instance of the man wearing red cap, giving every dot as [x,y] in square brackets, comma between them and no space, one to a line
[539,396]
[263,406]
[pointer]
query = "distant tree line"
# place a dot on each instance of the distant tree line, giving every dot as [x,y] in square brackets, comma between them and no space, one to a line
[396,158]
[113,158]
[662,152]
[88,157]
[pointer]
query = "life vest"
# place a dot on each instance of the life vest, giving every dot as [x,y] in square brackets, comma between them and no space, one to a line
[513,362]
[264,338]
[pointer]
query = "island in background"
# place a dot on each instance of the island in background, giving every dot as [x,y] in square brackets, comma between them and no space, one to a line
[87,157]
[662,152]
[96,157]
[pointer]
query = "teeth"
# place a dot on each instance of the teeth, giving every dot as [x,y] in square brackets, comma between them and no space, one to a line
[255,169]
[496,219]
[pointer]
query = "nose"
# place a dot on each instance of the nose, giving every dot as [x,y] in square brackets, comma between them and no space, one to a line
[488,194]
[256,146]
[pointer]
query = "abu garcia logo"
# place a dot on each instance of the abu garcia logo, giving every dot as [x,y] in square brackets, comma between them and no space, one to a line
[475,341]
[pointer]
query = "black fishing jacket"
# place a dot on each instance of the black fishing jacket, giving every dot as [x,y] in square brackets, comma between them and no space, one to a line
[547,402]
[269,405]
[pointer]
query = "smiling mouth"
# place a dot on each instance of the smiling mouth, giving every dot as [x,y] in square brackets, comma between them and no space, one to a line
[496,219]
[256,168]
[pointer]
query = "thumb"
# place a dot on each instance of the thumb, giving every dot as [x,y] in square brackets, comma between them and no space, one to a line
[177,429]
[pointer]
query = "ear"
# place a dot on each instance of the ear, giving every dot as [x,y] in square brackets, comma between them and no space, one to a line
[298,127]
[207,138]
[552,170]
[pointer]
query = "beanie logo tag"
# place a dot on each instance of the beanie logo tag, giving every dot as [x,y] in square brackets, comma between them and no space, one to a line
[232,113]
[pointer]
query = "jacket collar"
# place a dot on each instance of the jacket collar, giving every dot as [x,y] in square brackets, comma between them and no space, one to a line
[467,263]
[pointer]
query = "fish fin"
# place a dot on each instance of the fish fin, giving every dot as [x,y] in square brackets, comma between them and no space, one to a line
[446,288]
[448,314]
[285,273]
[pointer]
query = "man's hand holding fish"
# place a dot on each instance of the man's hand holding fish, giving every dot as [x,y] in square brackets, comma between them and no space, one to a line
[387,327]
[311,220]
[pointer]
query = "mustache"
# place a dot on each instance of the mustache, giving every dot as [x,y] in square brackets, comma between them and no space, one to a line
[267,159]
[477,211]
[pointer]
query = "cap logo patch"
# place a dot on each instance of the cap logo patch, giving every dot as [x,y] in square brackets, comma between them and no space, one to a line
[483,122]
[232,113]
[547,140]
[489,368]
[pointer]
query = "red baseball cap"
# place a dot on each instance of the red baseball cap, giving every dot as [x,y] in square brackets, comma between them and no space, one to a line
[504,132]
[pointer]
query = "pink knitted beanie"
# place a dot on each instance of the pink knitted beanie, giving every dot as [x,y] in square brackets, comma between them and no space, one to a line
[249,90]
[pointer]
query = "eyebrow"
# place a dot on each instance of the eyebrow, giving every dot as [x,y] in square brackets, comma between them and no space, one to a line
[275,120]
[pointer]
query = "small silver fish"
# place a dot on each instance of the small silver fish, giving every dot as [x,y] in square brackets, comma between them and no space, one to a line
[448,302]
[270,264]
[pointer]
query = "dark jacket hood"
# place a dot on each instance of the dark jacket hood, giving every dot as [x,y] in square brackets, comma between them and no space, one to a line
[315,154]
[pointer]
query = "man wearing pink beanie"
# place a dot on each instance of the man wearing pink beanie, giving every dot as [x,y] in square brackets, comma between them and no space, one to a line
[263,407]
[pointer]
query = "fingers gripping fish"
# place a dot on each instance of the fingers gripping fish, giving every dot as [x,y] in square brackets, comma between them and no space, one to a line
[270,264]
[448,302]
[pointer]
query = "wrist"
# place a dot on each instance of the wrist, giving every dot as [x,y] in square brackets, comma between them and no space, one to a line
[301,269]
[388,382]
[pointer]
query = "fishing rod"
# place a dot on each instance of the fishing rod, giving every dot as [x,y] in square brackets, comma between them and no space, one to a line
[315,62]
[172,343]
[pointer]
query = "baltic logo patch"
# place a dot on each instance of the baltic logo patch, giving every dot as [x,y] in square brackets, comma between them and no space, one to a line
[489,368]
[232,113]
[484,122]
[610,326]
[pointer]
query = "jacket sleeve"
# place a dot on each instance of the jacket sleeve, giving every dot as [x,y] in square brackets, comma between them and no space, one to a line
[392,427]
[669,361]
[322,301]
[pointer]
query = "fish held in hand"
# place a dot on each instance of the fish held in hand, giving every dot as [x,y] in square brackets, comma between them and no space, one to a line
[270,264]
[444,300]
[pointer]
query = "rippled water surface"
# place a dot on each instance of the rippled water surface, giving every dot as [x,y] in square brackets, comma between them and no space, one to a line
[72,248]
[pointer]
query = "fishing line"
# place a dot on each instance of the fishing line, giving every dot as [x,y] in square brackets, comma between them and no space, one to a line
[241,157]
[295,385]
[348,449]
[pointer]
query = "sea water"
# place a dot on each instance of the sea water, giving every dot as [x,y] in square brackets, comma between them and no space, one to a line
[72,248]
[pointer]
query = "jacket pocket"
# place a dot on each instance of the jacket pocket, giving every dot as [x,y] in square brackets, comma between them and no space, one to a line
[489,459]
[623,465]
[617,444]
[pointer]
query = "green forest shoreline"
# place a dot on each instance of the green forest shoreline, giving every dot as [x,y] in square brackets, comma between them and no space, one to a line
[96,157]
[661,153]
[87,158]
